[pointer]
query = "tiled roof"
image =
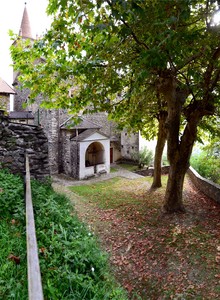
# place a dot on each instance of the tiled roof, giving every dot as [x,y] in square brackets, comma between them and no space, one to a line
[5,88]
[87,133]
[20,115]
[84,124]
[25,29]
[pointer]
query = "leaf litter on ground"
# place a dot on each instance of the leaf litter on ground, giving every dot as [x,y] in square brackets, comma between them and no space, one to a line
[154,255]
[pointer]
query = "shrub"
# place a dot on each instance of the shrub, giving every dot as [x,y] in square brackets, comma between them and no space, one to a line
[207,166]
[143,158]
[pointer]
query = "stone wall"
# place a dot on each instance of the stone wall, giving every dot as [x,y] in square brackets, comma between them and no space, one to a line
[51,128]
[48,119]
[208,187]
[5,102]
[16,140]
[20,97]
[75,159]
[65,165]
[129,145]
[107,126]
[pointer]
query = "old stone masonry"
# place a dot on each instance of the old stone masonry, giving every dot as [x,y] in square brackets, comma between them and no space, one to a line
[18,139]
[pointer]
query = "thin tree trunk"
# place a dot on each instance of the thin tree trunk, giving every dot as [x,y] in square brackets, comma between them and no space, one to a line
[161,140]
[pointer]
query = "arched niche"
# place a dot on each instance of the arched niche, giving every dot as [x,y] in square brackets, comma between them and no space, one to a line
[95,154]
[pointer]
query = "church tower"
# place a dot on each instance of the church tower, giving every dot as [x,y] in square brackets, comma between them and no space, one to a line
[25,28]
[25,33]
[48,119]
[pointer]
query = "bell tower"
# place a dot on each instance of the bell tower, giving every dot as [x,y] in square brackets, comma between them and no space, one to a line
[24,33]
[25,28]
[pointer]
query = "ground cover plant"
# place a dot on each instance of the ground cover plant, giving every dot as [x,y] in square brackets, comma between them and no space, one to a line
[13,279]
[72,265]
[206,161]
[155,255]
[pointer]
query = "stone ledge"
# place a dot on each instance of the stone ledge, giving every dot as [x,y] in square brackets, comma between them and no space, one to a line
[208,187]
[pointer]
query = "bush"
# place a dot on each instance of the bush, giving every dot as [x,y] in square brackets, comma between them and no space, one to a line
[143,158]
[207,166]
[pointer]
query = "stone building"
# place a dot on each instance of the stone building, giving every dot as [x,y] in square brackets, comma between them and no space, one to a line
[79,150]
[5,92]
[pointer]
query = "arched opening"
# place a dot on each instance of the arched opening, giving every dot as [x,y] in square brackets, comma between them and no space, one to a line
[95,154]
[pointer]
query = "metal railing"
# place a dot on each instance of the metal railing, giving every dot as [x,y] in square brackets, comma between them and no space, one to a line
[35,291]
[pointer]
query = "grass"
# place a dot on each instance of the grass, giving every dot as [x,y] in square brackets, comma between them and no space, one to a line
[157,256]
[106,196]
[72,264]
[113,170]
[129,167]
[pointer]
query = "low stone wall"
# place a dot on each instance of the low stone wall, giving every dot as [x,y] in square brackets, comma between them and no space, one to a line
[18,139]
[209,188]
[150,171]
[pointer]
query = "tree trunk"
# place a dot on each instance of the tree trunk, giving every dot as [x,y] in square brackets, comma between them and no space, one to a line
[173,196]
[179,164]
[161,140]
[178,150]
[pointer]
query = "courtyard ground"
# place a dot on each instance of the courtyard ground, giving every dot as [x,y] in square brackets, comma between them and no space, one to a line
[153,255]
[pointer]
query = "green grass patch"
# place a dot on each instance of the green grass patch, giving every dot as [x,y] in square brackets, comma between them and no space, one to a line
[72,264]
[129,167]
[113,170]
[109,193]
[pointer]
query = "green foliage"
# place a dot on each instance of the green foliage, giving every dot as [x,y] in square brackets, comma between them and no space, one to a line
[13,278]
[165,161]
[72,265]
[12,195]
[213,148]
[207,164]
[132,59]
[129,44]
[143,158]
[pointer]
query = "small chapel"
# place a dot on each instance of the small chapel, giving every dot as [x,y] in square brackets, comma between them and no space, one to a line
[79,150]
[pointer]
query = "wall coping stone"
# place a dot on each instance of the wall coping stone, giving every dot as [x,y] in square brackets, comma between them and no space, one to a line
[208,187]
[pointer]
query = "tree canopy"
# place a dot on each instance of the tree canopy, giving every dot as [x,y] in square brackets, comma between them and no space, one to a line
[132,58]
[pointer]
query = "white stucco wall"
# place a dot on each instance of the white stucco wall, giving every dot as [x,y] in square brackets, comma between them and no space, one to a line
[105,142]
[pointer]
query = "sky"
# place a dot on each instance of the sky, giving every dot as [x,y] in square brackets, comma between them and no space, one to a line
[11,14]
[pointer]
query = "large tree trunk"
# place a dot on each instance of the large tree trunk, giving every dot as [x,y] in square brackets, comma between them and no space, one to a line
[161,140]
[179,164]
[173,197]
[178,150]
[179,157]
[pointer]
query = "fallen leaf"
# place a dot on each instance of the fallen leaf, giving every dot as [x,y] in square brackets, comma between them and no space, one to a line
[14,258]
